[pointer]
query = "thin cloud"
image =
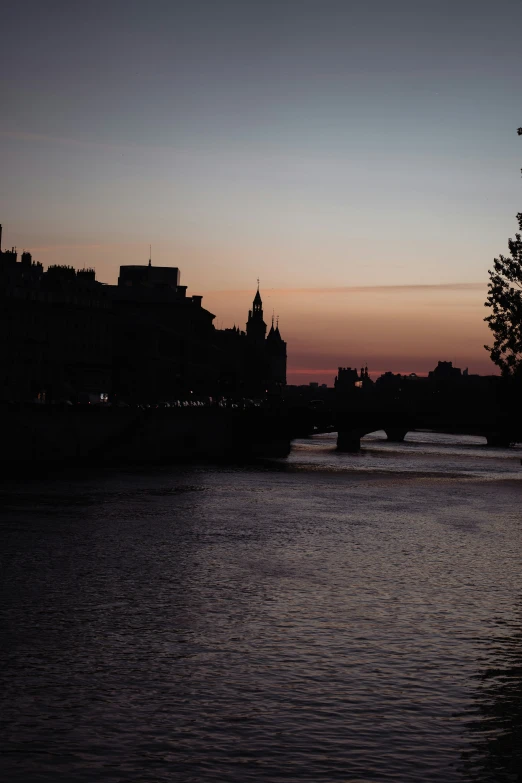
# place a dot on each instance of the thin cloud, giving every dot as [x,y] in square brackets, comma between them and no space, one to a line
[363,288]
[80,246]
[27,136]
[93,145]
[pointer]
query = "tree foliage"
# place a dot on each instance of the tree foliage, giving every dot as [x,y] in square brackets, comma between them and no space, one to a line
[505,300]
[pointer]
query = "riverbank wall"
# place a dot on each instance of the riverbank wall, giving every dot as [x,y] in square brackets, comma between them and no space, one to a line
[111,435]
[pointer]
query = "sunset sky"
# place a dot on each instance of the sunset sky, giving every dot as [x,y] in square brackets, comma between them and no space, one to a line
[360,158]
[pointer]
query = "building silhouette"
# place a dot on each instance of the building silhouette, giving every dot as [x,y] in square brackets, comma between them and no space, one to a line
[163,339]
[276,358]
[348,379]
[445,371]
[68,337]
[266,354]
[56,329]
[252,363]
[256,327]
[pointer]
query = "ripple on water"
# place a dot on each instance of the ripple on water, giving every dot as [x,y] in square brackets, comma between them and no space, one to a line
[305,620]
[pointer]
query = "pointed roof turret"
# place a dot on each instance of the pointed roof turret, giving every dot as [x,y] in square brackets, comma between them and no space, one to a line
[257,297]
[272,331]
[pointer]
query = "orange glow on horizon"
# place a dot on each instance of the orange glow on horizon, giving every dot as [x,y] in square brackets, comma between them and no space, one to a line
[402,329]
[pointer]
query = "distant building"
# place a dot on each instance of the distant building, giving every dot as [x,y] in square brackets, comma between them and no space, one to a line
[347,379]
[389,379]
[445,371]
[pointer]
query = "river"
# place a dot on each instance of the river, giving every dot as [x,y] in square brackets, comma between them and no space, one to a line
[324,617]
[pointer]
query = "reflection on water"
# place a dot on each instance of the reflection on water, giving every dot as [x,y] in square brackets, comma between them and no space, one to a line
[328,617]
[421,452]
[496,724]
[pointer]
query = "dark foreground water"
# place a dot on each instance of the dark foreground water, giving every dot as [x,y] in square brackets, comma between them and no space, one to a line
[322,618]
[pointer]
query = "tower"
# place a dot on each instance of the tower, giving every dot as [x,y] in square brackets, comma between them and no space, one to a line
[265,356]
[276,358]
[256,327]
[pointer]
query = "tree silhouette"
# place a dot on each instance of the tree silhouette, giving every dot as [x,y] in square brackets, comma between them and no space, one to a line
[505,299]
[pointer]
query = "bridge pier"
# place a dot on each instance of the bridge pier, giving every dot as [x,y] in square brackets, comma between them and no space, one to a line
[396,434]
[349,440]
[499,439]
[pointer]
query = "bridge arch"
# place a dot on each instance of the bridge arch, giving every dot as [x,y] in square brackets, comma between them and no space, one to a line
[349,440]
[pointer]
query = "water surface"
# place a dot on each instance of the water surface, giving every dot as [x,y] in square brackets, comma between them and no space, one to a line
[326,617]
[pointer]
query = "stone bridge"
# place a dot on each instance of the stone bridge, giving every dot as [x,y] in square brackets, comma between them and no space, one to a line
[42,434]
[351,425]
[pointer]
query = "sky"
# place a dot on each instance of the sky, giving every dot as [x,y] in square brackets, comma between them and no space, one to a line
[360,158]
